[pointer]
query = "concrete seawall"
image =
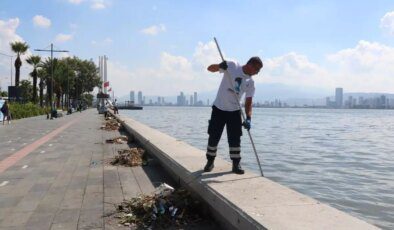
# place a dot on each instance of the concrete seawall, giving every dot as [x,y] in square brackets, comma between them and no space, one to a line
[246,201]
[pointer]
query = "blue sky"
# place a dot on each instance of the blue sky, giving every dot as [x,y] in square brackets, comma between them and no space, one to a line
[163,47]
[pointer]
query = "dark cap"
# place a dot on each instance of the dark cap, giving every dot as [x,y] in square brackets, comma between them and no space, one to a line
[255,61]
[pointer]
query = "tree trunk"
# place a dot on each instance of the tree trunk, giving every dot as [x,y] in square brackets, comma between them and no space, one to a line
[18,65]
[58,96]
[35,86]
[62,101]
[41,92]
[49,93]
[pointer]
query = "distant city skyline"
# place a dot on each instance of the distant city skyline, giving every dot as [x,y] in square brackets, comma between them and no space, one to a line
[181,100]
[373,101]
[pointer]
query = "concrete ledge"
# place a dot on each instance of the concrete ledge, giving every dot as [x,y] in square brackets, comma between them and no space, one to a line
[246,201]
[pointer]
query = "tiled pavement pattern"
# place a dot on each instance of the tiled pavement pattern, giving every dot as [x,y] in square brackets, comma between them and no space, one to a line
[66,183]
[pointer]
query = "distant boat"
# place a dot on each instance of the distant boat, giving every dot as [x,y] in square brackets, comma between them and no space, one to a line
[129,105]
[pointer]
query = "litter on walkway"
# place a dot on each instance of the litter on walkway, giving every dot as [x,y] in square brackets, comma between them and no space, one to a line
[167,207]
[111,125]
[117,140]
[130,157]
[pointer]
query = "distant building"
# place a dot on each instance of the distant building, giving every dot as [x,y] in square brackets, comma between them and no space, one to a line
[139,97]
[361,101]
[195,100]
[339,97]
[132,99]
[191,101]
[350,103]
[181,100]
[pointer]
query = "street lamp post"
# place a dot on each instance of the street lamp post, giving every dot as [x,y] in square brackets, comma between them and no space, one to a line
[10,56]
[68,88]
[51,50]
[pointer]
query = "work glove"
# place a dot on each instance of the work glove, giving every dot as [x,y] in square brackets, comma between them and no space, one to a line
[247,124]
[223,65]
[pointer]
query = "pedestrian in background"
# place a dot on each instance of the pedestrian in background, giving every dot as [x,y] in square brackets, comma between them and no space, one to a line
[116,111]
[5,109]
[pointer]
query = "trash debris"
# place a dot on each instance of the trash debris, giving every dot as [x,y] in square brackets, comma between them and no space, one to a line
[93,163]
[111,125]
[130,157]
[172,208]
[164,190]
[118,140]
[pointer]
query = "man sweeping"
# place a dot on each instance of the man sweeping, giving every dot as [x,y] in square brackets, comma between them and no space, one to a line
[226,110]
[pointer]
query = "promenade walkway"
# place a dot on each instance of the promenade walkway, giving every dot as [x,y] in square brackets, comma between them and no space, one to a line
[54,175]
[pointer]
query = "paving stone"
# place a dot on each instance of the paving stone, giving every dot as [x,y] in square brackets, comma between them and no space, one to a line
[95,181]
[143,180]
[4,212]
[50,203]
[9,201]
[71,203]
[129,184]
[40,187]
[11,228]
[15,219]
[67,216]
[55,190]
[64,226]
[40,221]
[93,201]
[26,205]
[91,219]
[94,188]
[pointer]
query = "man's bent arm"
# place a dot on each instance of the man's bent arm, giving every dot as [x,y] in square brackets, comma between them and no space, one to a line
[213,68]
[248,107]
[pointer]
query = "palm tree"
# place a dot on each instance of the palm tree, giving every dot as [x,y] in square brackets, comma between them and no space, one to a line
[34,61]
[50,82]
[42,75]
[19,48]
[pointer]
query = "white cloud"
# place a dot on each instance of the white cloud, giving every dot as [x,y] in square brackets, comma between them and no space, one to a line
[63,37]
[173,74]
[177,67]
[366,57]
[106,41]
[75,2]
[41,21]
[154,30]
[387,22]
[99,4]
[73,26]
[8,34]
[206,54]
[94,4]
[178,73]
[366,67]
[293,69]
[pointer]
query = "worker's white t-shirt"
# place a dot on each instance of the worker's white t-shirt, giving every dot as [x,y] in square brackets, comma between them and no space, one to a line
[243,83]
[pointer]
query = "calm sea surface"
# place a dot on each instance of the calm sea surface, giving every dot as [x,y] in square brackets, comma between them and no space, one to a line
[344,158]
